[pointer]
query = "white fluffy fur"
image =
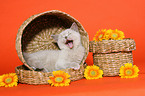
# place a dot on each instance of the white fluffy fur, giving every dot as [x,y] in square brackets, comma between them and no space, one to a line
[66,57]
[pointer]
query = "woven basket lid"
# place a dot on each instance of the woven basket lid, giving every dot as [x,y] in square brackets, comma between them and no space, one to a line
[34,34]
[109,46]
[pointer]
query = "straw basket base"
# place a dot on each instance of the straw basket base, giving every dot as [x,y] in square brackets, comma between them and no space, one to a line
[110,63]
[28,76]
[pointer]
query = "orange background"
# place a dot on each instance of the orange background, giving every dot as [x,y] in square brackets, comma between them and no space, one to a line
[125,15]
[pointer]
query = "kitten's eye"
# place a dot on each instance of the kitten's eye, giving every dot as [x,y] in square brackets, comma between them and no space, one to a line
[69,33]
[61,35]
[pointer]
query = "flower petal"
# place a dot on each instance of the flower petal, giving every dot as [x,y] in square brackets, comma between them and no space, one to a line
[133,71]
[55,80]
[97,73]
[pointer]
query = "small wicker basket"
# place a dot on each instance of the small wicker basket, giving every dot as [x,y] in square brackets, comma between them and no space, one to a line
[34,35]
[110,55]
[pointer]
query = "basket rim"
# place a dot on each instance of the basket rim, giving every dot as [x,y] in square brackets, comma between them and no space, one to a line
[18,43]
[128,45]
[29,76]
[112,40]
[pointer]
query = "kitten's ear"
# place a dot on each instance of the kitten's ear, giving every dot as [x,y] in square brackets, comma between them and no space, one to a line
[74,27]
[55,37]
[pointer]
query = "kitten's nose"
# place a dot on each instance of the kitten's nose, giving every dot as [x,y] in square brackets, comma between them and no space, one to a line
[65,37]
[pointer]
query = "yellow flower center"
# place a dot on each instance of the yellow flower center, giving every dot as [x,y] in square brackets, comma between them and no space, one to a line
[114,35]
[100,36]
[58,79]
[8,80]
[128,72]
[93,73]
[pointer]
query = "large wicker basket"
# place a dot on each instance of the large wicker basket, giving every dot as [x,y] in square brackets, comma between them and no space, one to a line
[110,55]
[34,35]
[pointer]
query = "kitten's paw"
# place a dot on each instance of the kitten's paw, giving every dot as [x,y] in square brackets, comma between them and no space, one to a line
[45,70]
[33,67]
[76,67]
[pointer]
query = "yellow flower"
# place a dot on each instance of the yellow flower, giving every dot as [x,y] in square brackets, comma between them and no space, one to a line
[100,35]
[129,71]
[8,80]
[93,72]
[115,34]
[59,78]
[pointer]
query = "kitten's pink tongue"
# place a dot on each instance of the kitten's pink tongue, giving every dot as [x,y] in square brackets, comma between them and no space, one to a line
[70,45]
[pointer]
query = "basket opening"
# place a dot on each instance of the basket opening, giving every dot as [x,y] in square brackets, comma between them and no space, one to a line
[37,34]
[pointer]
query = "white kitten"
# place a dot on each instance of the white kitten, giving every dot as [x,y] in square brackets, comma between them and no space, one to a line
[70,54]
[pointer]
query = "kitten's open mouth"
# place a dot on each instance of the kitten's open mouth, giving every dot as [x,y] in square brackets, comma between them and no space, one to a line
[69,43]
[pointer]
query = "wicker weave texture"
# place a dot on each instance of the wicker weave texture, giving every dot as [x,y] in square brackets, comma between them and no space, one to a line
[35,35]
[111,63]
[108,46]
[33,77]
